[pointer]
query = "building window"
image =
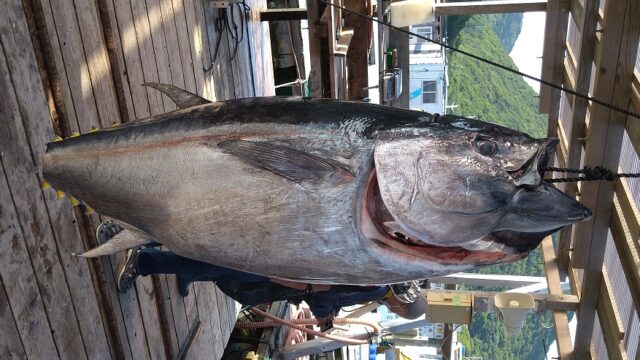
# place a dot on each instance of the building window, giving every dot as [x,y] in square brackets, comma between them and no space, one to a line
[429,89]
[425,31]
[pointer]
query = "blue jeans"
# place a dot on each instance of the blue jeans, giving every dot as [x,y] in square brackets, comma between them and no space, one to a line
[154,261]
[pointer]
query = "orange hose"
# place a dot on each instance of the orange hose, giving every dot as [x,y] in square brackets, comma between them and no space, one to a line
[292,324]
[295,336]
[339,321]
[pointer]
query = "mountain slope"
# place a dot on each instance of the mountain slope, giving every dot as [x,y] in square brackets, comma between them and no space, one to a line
[483,90]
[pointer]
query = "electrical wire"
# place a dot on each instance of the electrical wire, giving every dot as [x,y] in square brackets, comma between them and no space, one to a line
[487,61]
[358,308]
[226,21]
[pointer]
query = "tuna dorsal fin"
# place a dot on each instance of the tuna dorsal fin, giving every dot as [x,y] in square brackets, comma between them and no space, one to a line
[124,240]
[295,165]
[182,98]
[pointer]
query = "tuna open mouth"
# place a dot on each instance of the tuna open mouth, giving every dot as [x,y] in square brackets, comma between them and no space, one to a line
[380,227]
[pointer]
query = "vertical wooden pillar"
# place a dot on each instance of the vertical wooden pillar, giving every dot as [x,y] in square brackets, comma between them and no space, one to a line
[358,55]
[315,73]
[613,82]
[399,40]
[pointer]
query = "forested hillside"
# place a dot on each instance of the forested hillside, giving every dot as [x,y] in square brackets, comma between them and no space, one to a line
[494,95]
[482,90]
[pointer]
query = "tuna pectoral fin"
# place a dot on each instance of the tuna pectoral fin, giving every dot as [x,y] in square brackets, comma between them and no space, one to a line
[182,98]
[295,165]
[124,240]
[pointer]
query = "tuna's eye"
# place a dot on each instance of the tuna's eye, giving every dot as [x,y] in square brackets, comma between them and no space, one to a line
[486,147]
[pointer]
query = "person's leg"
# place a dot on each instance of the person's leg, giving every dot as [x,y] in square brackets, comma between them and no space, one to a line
[153,261]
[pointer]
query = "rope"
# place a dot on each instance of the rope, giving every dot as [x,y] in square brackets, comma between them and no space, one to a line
[487,61]
[591,174]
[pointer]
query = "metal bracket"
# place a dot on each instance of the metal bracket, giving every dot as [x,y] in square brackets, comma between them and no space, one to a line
[224,4]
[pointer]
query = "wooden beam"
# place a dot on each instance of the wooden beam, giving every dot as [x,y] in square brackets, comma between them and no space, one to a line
[581,84]
[358,59]
[489,7]
[608,310]
[546,302]
[562,149]
[610,322]
[569,76]
[627,252]
[10,342]
[564,237]
[330,27]
[279,309]
[315,39]
[577,13]
[574,280]
[447,343]
[606,128]
[556,23]
[560,320]
[568,81]
[472,279]
[400,41]
[24,303]
[629,211]
[282,14]
[571,57]
[633,126]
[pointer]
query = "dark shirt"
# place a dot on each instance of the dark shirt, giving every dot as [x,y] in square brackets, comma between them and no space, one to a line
[321,303]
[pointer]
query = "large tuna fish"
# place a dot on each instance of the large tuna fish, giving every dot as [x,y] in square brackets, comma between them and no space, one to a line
[317,190]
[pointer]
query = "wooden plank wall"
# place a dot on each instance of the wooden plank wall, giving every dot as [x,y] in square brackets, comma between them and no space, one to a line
[73,66]
[605,38]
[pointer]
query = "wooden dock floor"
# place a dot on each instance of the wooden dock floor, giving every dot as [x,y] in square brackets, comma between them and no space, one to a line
[71,66]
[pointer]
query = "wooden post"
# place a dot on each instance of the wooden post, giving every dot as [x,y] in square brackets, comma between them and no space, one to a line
[315,73]
[557,20]
[399,40]
[489,7]
[579,106]
[560,321]
[357,58]
[612,84]
[447,344]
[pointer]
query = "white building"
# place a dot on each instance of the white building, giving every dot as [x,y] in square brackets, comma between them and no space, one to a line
[427,70]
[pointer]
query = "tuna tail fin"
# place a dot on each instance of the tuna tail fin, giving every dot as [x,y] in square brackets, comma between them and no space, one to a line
[182,98]
[124,240]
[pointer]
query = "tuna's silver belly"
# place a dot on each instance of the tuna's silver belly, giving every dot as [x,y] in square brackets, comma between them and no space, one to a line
[208,205]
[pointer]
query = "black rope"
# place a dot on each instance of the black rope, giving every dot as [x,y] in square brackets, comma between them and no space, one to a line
[226,20]
[590,174]
[479,58]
